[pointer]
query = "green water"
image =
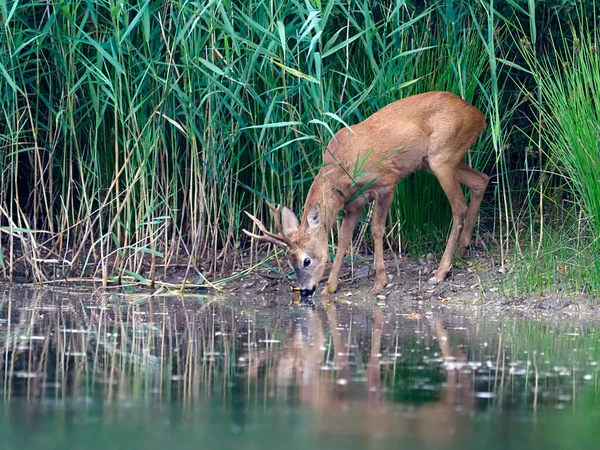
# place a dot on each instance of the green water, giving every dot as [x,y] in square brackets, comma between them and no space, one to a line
[83,371]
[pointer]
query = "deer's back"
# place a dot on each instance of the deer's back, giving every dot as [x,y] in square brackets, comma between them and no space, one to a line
[395,140]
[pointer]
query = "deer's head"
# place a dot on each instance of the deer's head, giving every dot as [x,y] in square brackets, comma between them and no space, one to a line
[305,243]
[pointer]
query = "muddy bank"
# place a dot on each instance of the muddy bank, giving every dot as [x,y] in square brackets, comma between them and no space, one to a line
[477,288]
[474,287]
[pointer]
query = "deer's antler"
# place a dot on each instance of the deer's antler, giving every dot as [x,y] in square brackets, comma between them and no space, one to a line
[279,239]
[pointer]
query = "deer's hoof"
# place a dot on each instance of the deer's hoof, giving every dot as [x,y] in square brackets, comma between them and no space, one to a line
[378,287]
[329,289]
[434,280]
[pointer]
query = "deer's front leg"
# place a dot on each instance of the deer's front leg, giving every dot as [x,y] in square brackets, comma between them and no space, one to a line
[345,237]
[380,212]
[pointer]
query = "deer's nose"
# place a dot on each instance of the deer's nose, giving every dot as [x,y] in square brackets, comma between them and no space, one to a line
[306,296]
[308,292]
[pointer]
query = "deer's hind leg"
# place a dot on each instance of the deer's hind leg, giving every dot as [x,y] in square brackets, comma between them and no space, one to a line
[476,182]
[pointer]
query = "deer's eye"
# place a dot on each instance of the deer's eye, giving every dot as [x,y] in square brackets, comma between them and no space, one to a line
[307,262]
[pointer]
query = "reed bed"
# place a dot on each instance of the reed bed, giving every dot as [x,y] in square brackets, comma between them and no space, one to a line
[134,134]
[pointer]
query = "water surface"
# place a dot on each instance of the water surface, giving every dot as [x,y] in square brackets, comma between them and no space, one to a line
[82,370]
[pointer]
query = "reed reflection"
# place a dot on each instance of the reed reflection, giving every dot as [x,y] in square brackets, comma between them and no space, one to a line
[374,369]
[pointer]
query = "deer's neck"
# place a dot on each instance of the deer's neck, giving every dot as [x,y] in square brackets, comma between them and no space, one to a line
[329,197]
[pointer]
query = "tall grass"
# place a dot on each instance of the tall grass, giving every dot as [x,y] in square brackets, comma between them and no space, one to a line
[571,112]
[568,84]
[133,134]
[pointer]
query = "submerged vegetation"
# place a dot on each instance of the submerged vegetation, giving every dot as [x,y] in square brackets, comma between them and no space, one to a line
[133,134]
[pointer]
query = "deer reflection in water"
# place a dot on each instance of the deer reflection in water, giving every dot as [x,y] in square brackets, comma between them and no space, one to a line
[325,381]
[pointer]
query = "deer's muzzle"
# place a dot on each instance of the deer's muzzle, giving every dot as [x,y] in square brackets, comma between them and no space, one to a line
[308,292]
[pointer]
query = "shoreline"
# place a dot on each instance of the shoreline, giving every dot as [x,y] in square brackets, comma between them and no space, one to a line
[475,288]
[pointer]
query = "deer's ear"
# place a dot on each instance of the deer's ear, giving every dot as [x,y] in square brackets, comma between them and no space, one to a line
[314,217]
[289,221]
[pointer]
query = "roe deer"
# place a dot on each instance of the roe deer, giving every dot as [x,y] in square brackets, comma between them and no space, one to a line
[432,132]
